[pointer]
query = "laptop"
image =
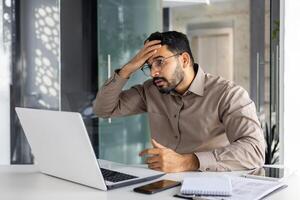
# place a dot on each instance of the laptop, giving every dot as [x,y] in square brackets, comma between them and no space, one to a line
[60,144]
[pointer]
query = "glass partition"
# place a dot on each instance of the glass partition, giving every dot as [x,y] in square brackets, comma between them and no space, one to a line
[122,28]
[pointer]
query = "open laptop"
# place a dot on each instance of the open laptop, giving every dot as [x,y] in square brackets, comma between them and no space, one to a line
[62,148]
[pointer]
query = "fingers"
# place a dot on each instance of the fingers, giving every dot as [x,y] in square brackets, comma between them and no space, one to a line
[157,169]
[149,51]
[153,159]
[151,48]
[148,55]
[153,151]
[150,43]
[157,145]
[155,166]
[157,150]
[154,162]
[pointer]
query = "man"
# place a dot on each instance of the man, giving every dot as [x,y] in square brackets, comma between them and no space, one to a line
[198,121]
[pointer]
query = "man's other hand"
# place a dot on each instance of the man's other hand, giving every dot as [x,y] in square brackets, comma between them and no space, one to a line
[165,159]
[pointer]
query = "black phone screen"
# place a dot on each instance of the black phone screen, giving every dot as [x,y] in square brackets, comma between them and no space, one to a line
[156,186]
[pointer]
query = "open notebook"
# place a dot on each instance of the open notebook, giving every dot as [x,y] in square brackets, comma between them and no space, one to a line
[242,188]
[207,185]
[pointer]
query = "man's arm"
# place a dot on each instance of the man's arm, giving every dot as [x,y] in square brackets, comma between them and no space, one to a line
[247,144]
[111,101]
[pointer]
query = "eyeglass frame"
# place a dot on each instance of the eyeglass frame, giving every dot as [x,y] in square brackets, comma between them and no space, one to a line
[149,66]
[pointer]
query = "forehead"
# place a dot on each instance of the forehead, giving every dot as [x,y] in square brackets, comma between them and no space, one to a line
[161,52]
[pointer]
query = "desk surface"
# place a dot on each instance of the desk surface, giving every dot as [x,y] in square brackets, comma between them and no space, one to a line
[26,183]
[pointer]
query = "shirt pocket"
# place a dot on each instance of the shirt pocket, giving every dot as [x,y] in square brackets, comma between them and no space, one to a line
[161,128]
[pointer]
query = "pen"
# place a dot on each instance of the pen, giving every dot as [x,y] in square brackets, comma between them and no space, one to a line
[200,198]
[204,198]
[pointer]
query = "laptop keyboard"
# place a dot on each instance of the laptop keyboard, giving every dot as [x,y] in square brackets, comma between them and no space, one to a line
[114,176]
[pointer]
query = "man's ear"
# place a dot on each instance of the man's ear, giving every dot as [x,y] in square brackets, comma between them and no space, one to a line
[186,59]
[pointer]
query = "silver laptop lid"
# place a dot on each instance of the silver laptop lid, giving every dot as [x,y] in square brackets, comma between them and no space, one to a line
[59,147]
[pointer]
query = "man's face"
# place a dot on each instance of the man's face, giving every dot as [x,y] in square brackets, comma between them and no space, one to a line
[166,71]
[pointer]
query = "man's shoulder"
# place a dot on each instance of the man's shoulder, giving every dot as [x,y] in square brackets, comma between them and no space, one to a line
[148,83]
[146,86]
[220,84]
[149,86]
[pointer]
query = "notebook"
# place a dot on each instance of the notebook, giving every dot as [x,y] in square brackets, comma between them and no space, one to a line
[207,185]
[245,189]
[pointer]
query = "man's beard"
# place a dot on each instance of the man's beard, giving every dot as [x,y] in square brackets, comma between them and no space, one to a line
[176,79]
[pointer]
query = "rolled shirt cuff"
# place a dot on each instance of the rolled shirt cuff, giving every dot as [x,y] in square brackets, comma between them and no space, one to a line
[207,161]
[116,79]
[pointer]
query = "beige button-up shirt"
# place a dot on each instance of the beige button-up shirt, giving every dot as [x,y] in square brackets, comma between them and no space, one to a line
[215,119]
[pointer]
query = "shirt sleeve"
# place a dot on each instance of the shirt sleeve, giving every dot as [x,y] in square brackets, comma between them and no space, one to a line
[247,145]
[111,101]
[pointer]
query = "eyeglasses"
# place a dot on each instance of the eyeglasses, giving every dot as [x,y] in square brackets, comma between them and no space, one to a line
[157,63]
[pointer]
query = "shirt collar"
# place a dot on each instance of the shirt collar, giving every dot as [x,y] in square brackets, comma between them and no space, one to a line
[197,86]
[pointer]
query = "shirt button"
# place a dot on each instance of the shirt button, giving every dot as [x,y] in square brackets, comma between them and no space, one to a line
[175,116]
[176,137]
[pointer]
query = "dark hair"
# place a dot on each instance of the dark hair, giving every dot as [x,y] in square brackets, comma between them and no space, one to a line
[176,42]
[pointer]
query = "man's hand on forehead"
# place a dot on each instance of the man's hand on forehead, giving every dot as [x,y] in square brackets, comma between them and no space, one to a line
[149,49]
[154,56]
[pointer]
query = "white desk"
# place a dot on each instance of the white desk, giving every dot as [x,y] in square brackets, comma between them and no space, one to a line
[24,182]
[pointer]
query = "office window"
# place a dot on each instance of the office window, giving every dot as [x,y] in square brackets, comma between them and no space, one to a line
[5,64]
[36,71]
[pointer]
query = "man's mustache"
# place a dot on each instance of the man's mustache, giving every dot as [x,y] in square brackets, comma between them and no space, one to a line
[159,79]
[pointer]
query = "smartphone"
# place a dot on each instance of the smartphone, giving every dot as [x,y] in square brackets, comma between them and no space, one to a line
[157,186]
[269,173]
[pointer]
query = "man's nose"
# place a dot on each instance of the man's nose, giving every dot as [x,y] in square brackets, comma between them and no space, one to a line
[155,72]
